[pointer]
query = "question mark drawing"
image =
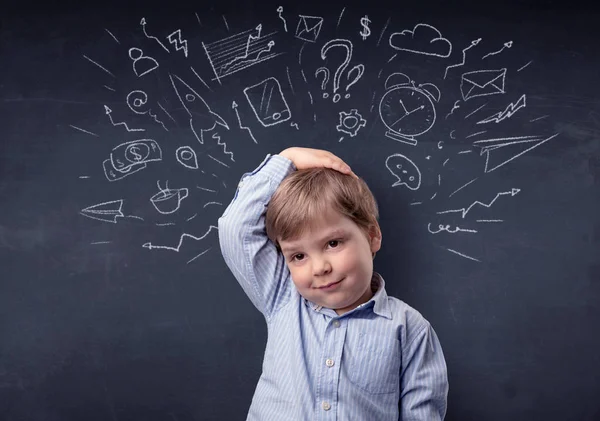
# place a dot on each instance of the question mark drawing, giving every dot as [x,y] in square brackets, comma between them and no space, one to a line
[347,45]
[325,79]
[360,68]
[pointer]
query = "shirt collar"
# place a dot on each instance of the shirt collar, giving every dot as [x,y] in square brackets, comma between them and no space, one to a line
[379,301]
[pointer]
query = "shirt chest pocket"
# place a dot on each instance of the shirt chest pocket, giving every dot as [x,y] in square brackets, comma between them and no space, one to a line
[374,366]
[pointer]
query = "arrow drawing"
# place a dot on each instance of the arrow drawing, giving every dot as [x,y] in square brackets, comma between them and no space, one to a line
[106,212]
[464,211]
[108,111]
[234,105]
[151,246]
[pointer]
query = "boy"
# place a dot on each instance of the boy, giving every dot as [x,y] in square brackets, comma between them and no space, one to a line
[338,347]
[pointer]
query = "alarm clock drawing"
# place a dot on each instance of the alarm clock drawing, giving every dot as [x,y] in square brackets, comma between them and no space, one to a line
[406,109]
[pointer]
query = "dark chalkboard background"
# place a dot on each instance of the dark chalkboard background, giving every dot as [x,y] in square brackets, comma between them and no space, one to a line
[95,326]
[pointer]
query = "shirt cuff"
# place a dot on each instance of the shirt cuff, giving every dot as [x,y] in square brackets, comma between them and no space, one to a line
[275,167]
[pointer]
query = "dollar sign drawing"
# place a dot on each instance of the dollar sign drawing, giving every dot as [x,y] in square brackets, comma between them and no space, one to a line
[365,32]
[136,153]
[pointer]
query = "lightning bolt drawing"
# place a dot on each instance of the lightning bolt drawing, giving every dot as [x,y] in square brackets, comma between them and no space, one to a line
[507,113]
[464,211]
[234,106]
[218,139]
[180,44]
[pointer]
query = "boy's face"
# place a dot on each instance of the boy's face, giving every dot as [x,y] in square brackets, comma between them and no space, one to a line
[332,264]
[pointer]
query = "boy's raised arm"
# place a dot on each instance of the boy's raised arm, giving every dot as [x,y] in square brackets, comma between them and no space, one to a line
[250,255]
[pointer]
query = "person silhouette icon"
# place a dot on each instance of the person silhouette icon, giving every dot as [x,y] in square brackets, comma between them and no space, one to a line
[146,63]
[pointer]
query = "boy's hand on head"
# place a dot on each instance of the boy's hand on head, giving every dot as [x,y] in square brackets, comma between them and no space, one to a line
[304,158]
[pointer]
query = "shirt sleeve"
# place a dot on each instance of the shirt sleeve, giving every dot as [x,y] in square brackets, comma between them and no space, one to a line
[423,379]
[252,258]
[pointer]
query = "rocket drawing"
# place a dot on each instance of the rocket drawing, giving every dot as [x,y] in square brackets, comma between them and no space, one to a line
[202,118]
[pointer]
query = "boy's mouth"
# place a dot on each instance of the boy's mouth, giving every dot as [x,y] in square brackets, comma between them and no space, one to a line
[331,285]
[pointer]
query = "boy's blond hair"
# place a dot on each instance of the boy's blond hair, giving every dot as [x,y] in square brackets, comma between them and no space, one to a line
[305,195]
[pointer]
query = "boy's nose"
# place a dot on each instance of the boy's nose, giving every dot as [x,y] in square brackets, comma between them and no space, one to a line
[321,267]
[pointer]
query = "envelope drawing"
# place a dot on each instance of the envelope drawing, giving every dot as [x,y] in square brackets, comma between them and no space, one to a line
[309,27]
[482,83]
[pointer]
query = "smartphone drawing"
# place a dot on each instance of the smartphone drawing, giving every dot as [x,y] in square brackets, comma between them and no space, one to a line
[268,103]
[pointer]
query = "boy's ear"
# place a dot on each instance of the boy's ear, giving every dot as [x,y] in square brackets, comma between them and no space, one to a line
[375,237]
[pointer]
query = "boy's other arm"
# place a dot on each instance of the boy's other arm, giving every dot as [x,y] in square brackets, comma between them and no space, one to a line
[423,379]
[250,255]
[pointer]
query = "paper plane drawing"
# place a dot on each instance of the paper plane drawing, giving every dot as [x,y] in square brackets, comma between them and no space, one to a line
[501,151]
[106,212]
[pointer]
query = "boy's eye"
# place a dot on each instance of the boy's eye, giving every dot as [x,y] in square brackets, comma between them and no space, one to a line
[334,243]
[298,257]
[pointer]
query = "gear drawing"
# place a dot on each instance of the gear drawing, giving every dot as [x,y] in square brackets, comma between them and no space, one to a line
[350,123]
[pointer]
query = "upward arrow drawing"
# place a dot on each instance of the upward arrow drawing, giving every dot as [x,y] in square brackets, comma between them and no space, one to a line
[465,211]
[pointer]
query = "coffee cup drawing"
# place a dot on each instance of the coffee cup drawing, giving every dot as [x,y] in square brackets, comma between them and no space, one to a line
[168,200]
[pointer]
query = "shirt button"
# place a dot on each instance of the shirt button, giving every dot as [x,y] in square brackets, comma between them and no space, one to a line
[329,362]
[326,406]
[336,323]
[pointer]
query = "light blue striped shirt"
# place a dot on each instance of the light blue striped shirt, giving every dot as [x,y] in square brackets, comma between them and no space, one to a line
[380,361]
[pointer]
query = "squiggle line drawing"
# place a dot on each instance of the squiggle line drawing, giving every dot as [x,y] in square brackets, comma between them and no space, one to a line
[108,112]
[194,258]
[217,161]
[168,201]
[150,63]
[446,228]
[246,48]
[200,79]
[522,67]
[177,248]
[464,56]
[382,31]
[82,130]
[212,203]
[462,187]
[507,113]
[495,147]
[105,212]
[97,64]
[279,12]
[143,23]
[225,151]
[538,118]
[112,35]
[475,110]
[136,99]
[504,46]
[464,211]
[225,21]
[475,134]
[191,100]
[454,107]
[180,44]
[234,105]
[463,255]
[437,45]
